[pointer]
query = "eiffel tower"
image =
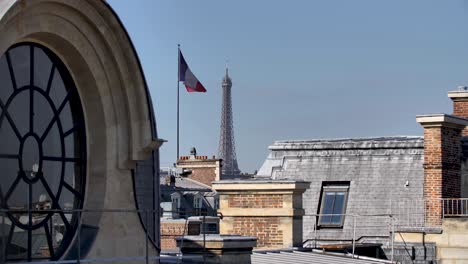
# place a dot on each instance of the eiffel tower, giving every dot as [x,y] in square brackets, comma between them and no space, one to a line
[227,148]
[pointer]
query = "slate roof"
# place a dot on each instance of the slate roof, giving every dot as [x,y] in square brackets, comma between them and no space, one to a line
[188,188]
[379,171]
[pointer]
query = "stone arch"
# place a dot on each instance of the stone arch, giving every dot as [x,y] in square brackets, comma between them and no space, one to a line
[91,41]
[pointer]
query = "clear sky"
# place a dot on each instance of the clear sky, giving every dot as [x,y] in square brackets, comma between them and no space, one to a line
[301,69]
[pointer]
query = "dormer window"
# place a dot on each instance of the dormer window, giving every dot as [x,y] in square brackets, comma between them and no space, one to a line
[198,204]
[333,205]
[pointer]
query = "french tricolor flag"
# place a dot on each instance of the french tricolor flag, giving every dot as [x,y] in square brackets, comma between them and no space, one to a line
[192,84]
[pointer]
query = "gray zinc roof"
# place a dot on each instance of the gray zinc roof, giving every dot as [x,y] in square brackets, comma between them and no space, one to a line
[299,257]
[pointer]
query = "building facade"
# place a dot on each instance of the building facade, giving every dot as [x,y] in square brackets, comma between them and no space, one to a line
[77,133]
[399,198]
[360,176]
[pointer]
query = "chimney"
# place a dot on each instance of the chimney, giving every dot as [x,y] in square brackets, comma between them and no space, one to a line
[442,161]
[460,104]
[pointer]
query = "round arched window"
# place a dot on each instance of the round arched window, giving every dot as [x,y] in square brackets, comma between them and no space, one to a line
[42,154]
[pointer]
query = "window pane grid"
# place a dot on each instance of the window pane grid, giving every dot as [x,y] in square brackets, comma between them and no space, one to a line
[332,207]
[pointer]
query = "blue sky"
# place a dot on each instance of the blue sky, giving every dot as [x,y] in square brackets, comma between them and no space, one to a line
[301,69]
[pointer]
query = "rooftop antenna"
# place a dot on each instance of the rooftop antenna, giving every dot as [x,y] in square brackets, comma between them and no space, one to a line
[227,65]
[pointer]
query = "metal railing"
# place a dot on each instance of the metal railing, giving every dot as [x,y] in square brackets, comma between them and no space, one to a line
[414,213]
[22,243]
[117,218]
[454,207]
[388,220]
[353,230]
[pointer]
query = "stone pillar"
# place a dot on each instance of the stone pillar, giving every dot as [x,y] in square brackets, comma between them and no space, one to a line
[442,161]
[269,210]
[460,105]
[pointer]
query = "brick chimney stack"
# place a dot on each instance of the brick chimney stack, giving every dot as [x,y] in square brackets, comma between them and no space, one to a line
[442,161]
[460,104]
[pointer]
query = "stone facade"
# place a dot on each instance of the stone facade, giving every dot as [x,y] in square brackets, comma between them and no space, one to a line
[449,245]
[269,210]
[96,49]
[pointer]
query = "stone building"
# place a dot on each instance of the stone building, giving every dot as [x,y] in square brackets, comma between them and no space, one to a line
[77,129]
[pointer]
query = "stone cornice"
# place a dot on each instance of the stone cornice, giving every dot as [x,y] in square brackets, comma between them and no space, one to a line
[458,96]
[260,185]
[399,142]
[442,120]
[243,212]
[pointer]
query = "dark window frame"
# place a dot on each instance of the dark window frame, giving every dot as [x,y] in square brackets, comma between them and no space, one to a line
[333,188]
[33,176]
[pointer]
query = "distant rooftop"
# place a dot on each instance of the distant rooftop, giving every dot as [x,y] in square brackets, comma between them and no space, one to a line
[351,143]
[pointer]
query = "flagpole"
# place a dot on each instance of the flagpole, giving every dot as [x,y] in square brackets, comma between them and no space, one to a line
[178,81]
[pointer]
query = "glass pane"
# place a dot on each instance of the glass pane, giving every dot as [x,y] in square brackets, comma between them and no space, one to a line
[327,207]
[57,90]
[41,201]
[39,246]
[19,198]
[19,111]
[52,145]
[338,208]
[66,117]
[43,113]
[8,164]
[6,87]
[10,145]
[38,192]
[20,60]
[67,198]
[17,249]
[52,171]
[58,230]
[70,147]
[42,69]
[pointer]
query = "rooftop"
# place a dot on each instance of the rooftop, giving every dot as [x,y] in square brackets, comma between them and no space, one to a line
[351,143]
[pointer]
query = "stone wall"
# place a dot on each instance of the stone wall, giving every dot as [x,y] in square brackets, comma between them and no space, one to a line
[451,244]
[266,229]
[256,201]
[115,101]
[269,210]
